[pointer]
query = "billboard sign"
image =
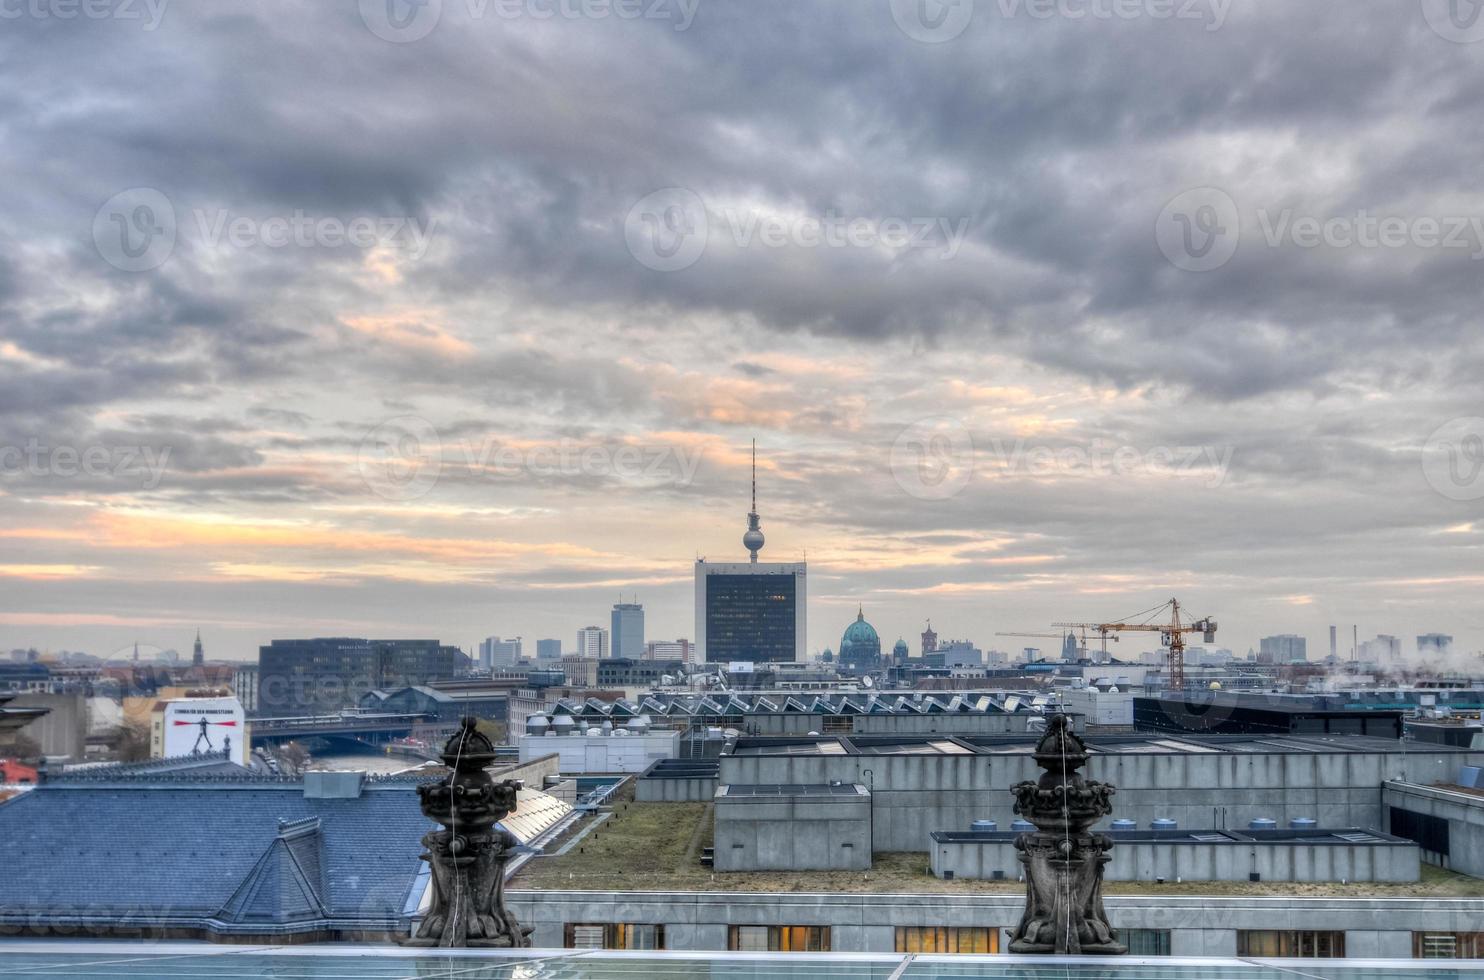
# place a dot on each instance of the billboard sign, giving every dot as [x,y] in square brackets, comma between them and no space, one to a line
[200,725]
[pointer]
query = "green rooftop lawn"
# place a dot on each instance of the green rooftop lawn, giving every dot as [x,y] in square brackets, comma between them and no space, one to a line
[657,847]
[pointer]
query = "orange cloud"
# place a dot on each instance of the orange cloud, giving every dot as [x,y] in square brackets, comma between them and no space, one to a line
[411,332]
[46,572]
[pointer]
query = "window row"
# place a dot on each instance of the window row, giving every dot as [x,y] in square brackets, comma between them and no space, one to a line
[1260,943]
[812,939]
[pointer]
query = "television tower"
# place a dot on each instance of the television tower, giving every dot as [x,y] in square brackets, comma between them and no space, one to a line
[753,539]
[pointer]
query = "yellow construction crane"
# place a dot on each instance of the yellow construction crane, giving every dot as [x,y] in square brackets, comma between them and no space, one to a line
[1171,634]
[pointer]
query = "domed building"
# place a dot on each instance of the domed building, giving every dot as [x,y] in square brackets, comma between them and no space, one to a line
[860,647]
[899,653]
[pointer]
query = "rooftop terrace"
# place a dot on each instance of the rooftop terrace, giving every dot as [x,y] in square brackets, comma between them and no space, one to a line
[657,847]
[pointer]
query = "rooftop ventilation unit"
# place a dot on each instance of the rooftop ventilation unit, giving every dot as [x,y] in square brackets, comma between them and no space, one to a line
[1263,823]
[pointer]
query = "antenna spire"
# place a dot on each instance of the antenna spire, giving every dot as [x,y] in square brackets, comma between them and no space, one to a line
[753,539]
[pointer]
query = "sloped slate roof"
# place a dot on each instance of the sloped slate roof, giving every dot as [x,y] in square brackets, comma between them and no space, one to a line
[200,764]
[286,885]
[172,850]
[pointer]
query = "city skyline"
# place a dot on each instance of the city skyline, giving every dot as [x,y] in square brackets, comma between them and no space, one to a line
[485,364]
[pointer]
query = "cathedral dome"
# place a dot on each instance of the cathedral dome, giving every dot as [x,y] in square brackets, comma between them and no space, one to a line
[860,645]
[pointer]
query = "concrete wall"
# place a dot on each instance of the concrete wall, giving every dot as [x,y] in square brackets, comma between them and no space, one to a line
[63,732]
[533,771]
[954,724]
[793,833]
[603,753]
[1149,860]
[1101,707]
[916,794]
[1198,925]
[1463,811]
[674,789]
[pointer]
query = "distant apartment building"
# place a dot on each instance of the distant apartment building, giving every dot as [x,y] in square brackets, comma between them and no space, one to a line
[1434,644]
[198,725]
[616,672]
[495,652]
[681,650]
[1281,649]
[1383,649]
[592,641]
[955,653]
[548,649]
[27,678]
[245,686]
[627,622]
[1207,656]
[580,671]
[326,674]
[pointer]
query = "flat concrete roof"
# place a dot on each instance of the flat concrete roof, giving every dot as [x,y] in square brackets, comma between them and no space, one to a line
[683,769]
[1153,743]
[772,791]
[1243,837]
[647,847]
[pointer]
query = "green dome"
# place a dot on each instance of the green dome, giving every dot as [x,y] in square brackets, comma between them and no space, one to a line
[860,646]
[859,631]
[900,649]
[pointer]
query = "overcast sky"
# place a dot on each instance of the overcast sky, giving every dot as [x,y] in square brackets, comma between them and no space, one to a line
[457,319]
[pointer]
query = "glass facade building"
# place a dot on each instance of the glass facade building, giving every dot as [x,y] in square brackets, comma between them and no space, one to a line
[752,613]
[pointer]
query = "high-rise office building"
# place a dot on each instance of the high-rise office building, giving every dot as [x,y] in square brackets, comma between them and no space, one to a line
[495,652]
[751,611]
[592,641]
[325,674]
[627,622]
[1283,648]
[1434,644]
[548,649]
[1383,649]
[956,653]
